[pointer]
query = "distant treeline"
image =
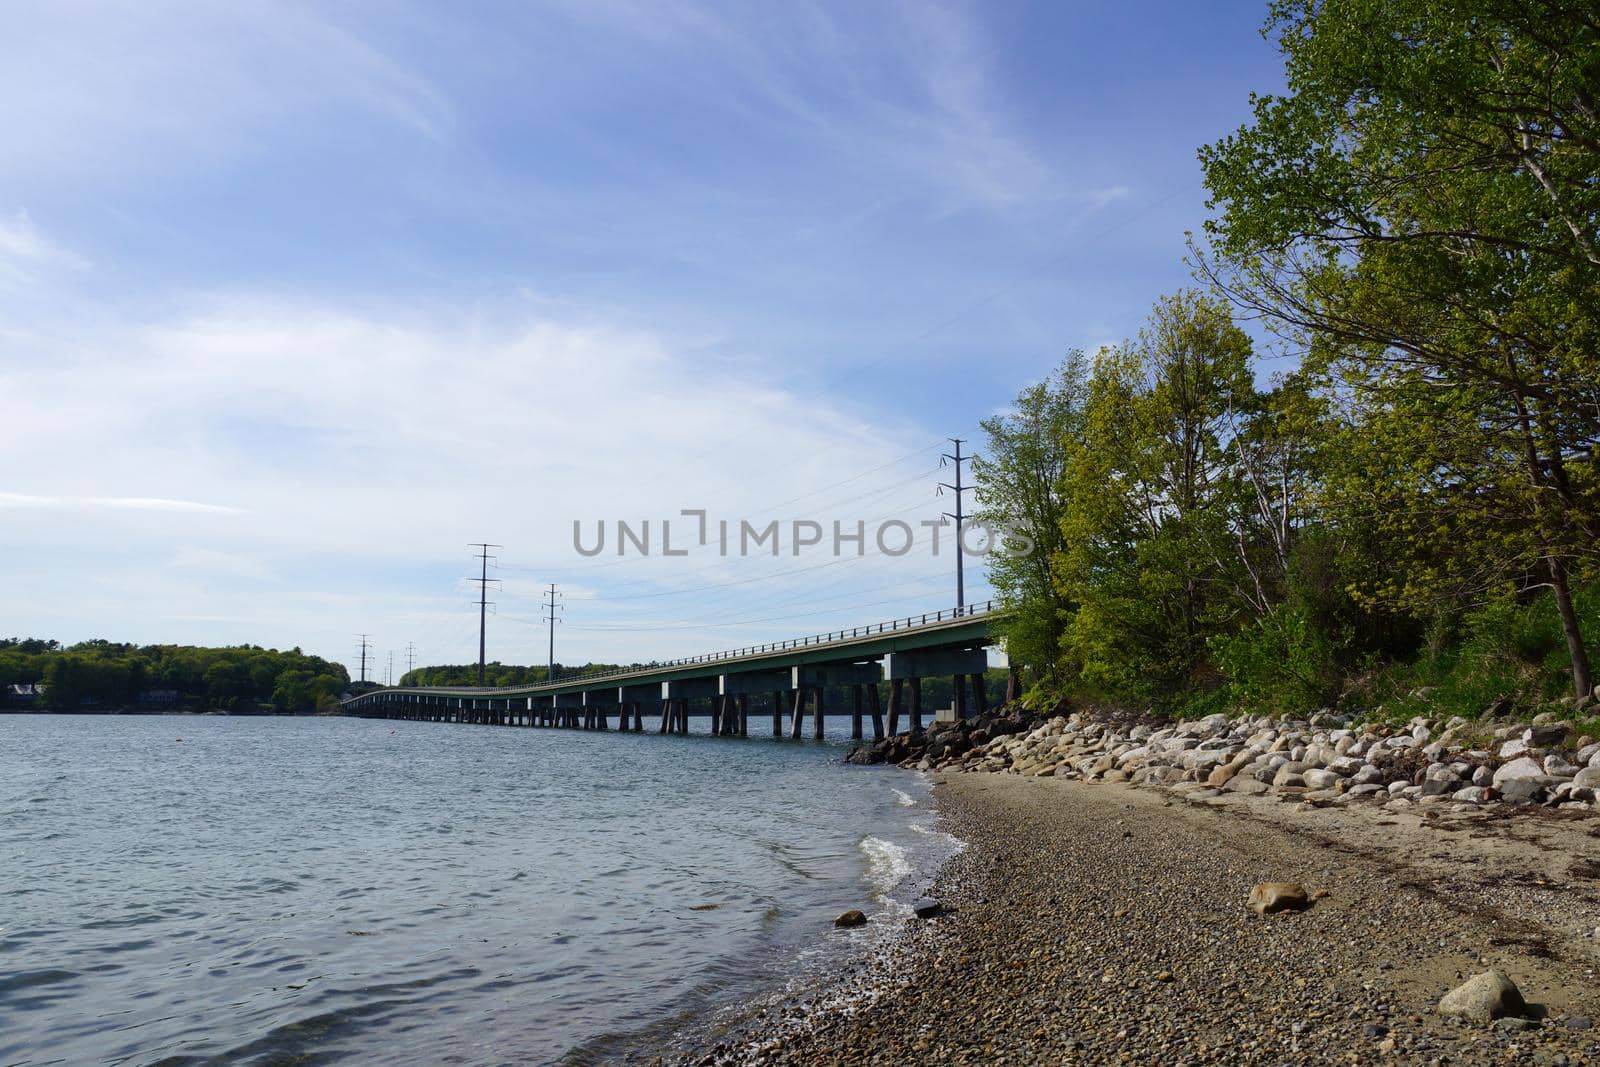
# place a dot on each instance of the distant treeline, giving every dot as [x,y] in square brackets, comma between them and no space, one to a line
[37,674]
[495,673]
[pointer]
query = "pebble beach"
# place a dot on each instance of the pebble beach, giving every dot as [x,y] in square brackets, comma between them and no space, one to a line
[1102,922]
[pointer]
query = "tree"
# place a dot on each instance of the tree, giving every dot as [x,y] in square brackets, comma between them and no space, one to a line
[1019,483]
[1148,492]
[1424,205]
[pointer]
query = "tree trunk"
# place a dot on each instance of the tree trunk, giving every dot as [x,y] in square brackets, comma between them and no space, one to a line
[1582,678]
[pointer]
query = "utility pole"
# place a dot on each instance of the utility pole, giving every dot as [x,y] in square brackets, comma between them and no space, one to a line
[411,656]
[388,674]
[363,655]
[483,581]
[551,607]
[957,459]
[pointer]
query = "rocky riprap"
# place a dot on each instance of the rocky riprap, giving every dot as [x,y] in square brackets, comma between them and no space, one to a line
[1321,760]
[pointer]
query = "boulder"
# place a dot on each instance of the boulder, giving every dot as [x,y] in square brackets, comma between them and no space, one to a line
[853,917]
[1559,767]
[1513,748]
[1316,778]
[1523,768]
[1548,734]
[1588,778]
[1484,998]
[1528,790]
[1267,898]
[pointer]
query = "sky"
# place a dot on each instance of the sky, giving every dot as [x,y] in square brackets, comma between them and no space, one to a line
[298,301]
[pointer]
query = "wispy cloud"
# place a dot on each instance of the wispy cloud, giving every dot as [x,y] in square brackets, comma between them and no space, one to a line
[116,503]
[99,92]
[26,253]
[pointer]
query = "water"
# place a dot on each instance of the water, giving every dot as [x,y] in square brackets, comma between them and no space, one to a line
[273,891]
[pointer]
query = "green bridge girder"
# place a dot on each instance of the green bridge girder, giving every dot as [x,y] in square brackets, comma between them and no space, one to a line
[949,629]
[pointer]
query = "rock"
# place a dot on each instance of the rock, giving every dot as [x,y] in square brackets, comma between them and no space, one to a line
[1267,898]
[1474,794]
[1484,998]
[853,917]
[1527,790]
[1588,778]
[1548,734]
[1316,778]
[1518,768]
[1514,748]
[927,908]
[1558,767]
[1578,1022]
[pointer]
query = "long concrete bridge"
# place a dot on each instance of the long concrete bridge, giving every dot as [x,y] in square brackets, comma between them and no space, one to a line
[790,676]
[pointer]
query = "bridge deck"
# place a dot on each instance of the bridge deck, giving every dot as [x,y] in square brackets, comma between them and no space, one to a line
[950,628]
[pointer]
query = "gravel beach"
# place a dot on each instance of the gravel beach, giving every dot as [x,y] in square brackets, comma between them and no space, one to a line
[1102,923]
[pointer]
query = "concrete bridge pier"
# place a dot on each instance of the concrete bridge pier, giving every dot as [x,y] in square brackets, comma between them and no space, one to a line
[957,663]
[683,690]
[819,677]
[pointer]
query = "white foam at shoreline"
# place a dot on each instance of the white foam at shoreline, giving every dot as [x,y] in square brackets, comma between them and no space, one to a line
[905,799]
[888,864]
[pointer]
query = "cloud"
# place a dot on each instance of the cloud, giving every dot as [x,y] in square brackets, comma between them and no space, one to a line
[24,500]
[26,254]
[184,462]
[908,88]
[102,91]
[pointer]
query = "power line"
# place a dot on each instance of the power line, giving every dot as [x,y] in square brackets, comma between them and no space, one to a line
[483,581]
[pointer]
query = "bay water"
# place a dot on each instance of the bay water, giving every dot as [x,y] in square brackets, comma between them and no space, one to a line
[213,889]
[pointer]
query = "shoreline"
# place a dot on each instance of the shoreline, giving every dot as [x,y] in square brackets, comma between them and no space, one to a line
[1101,923]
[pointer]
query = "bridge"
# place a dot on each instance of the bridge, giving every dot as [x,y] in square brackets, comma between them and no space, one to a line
[790,676]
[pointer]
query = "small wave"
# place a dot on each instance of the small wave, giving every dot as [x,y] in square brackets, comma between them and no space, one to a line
[905,799]
[888,864]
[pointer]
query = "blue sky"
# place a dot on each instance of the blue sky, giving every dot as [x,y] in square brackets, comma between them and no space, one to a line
[298,300]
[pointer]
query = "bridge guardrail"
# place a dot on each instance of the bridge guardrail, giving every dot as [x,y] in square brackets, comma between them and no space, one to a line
[831,637]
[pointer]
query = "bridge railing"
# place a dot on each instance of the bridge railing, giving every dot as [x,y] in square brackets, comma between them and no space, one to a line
[927,618]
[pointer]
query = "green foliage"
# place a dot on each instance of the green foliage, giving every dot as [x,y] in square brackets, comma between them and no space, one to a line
[1421,211]
[1019,482]
[102,675]
[1512,648]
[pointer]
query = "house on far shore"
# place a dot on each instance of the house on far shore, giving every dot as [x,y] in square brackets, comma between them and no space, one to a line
[22,696]
[158,698]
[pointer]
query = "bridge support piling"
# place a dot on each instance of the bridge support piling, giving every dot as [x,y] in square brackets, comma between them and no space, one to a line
[958,691]
[980,698]
[818,714]
[798,715]
[916,703]
[777,713]
[877,713]
[744,715]
[895,697]
[855,713]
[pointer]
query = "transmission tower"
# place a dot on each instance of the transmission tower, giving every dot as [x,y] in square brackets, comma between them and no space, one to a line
[364,646]
[957,459]
[550,610]
[483,581]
